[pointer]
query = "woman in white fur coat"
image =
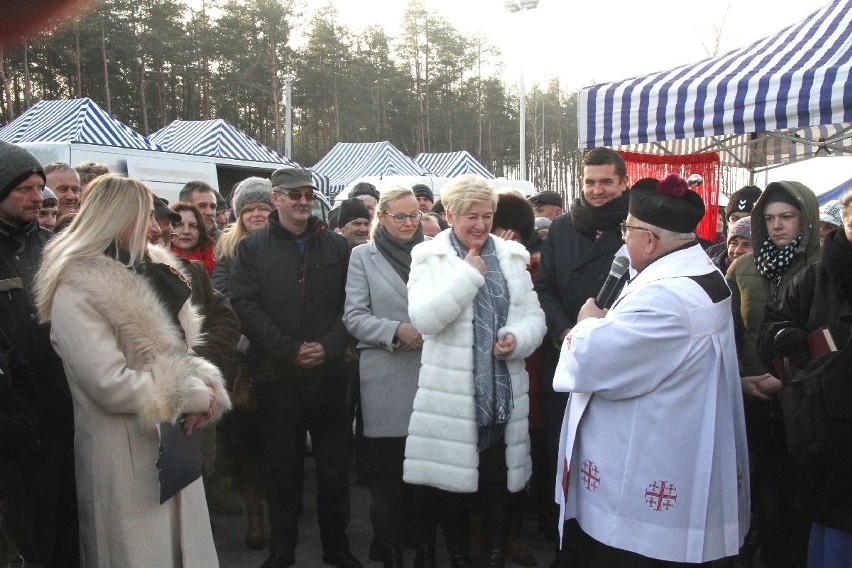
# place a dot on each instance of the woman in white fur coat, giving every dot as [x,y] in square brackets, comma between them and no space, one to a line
[471,297]
[124,327]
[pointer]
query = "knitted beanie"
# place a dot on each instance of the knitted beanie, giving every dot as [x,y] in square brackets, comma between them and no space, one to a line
[352,208]
[16,165]
[252,190]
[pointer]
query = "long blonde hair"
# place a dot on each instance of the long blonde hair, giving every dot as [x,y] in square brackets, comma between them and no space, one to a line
[116,209]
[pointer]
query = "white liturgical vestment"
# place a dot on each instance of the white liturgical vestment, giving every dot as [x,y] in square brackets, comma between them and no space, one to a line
[653,454]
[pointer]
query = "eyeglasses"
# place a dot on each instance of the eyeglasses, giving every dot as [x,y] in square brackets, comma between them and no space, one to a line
[296,195]
[401,217]
[624,227]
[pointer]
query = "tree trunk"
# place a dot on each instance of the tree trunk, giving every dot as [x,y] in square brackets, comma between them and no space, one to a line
[28,86]
[7,88]
[107,99]
[77,66]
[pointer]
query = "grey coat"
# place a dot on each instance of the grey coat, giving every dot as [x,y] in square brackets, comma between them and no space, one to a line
[376,303]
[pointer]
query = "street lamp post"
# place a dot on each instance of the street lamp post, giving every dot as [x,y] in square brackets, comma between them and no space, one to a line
[522,6]
[288,117]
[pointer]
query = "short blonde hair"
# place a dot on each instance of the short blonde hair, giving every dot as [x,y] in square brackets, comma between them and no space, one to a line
[461,193]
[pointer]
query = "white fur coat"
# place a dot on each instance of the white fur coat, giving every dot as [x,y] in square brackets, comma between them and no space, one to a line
[129,368]
[442,435]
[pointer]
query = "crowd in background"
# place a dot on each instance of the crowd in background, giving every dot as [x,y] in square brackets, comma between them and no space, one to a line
[441,327]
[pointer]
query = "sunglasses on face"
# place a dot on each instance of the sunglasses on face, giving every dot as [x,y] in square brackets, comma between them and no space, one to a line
[296,195]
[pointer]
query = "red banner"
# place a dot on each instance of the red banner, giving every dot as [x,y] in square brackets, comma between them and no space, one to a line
[706,165]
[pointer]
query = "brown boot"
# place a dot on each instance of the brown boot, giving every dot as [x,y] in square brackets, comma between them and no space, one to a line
[515,551]
[255,539]
[250,478]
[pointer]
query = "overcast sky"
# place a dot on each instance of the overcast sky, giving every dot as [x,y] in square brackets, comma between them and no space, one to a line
[586,42]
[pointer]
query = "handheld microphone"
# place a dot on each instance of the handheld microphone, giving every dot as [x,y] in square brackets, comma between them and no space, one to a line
[695,180]
[616,271]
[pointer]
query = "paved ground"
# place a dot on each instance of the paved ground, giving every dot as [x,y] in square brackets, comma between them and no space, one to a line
[230,533]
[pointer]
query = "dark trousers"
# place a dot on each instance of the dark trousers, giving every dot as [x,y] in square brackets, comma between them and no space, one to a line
[400,513]
[50,484]
[493,500]
[285,410]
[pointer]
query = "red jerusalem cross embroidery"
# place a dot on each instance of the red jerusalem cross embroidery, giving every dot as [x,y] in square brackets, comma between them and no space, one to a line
[739,480]
[661,495]
[590,476]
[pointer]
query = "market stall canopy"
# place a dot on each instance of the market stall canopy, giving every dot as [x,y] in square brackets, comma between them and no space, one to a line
[348,161]
[73,120]
[452,164]
[835,193]
[214,138]
[783,99]
[218,138]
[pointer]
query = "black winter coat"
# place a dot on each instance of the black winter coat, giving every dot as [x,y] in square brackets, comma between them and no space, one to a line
[18,419]
[284,298]
[815,299]
[572,269]
[20,255]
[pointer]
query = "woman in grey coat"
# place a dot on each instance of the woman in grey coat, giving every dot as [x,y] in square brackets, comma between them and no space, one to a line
[376,314]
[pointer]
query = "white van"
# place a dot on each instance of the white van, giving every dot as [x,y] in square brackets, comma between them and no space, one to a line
[433,183]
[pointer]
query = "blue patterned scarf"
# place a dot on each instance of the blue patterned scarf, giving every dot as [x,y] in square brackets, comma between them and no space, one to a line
[491,380]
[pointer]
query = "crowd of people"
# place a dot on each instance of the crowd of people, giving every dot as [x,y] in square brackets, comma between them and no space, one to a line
[492,358]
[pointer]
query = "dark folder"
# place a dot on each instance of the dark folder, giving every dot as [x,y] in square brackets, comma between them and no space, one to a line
[180,459]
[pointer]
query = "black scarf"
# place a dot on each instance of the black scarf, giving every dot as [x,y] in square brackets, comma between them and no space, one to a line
[397,251]
[773,262]
[589,219]
[837,258]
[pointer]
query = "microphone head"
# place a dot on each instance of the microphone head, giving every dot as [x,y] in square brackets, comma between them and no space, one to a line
[620,264]
[695,180]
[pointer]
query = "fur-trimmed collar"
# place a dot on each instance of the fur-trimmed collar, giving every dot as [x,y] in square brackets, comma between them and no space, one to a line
[130,305]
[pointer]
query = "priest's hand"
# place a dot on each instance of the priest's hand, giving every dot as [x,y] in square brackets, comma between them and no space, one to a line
[590,310]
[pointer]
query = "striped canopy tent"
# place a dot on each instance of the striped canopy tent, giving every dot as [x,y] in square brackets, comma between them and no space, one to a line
[780,100]
[219,139]
[73,120]
[835,193]
[452,164]
[214,138]
[348,161]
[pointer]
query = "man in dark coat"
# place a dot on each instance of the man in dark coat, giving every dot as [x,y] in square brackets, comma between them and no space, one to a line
[49,473]
[575,260]
[287,287]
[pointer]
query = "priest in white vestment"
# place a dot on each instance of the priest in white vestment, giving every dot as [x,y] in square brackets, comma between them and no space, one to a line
[653,458]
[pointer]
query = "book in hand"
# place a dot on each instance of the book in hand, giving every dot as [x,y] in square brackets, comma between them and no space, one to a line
[820,342]
[179,460]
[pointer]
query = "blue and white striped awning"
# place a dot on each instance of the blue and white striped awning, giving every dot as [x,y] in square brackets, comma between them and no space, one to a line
[452,164]
[782,99]
[74,120]
[348,161]
[215,138]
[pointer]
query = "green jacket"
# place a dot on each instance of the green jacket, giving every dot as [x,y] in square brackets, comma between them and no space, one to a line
[751,290]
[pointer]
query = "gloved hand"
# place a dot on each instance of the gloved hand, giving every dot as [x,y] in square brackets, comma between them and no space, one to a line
[792,342]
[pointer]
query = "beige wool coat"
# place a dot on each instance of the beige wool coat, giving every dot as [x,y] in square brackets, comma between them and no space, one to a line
[129,368]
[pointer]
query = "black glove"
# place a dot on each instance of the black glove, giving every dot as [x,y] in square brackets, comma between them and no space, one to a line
[792,342]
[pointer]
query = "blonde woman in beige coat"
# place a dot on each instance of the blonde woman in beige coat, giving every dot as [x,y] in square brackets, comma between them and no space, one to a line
[124,327]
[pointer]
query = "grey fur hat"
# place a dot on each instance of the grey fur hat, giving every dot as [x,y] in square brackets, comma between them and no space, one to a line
[16,165]
[252,190]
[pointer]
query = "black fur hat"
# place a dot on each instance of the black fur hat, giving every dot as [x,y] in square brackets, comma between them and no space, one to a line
[515,212]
